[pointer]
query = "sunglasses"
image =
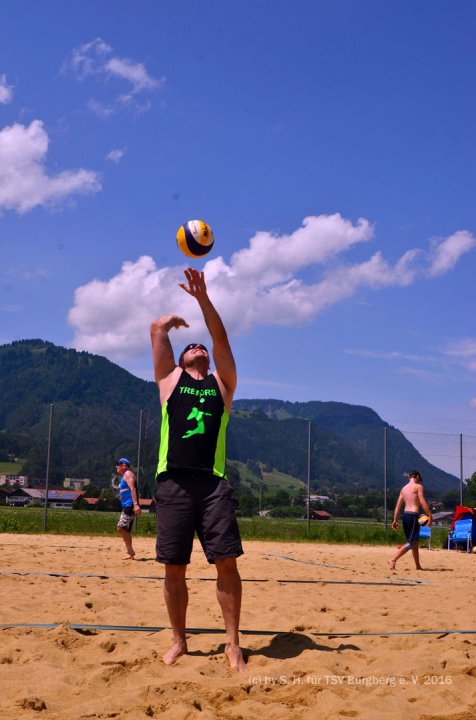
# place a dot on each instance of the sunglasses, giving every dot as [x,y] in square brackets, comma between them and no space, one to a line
[192,346]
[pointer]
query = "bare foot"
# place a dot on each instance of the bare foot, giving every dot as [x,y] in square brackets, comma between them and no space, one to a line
[235,657]
[177,650]
[129,557]
[419,567]
[391,564]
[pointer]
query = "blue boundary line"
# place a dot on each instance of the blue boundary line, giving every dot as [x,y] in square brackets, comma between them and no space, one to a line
[406,583]
[221,631]
[306,562]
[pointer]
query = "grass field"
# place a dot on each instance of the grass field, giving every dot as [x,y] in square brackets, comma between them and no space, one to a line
[272,481]
[10,468]
[280,481]
[78,522]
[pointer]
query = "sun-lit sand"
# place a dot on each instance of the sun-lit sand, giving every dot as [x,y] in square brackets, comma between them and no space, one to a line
[329,632]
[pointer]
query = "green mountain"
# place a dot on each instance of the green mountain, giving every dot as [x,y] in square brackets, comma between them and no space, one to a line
[100,410]
[347,445]
[96,412]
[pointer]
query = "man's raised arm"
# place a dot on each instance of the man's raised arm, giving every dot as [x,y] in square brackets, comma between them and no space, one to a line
[162,352]
[222,353]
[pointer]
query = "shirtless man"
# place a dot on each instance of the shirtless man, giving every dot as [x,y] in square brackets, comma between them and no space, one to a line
[413,497]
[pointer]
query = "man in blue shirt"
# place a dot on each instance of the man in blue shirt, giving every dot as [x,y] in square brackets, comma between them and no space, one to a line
[129,502]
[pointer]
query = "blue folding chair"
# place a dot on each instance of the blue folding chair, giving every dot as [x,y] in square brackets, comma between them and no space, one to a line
[462,533]
[425,533]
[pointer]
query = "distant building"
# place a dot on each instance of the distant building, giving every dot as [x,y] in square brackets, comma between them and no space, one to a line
[15,497]
[90,501]
[5,491]
[56,498]
[147,505]
[319,498]
[442,518]
[319,515]
[76,483]
[20,480]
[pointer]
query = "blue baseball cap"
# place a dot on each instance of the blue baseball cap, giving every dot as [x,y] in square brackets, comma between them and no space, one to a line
[123,460]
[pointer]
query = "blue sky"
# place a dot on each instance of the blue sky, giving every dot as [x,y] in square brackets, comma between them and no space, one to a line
[329,144]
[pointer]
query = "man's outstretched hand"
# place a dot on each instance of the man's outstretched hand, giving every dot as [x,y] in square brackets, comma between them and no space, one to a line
[196,283]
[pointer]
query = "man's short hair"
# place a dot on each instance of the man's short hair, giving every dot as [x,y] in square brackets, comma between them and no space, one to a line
[415,474]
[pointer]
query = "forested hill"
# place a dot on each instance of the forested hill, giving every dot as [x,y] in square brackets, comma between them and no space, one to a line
[97,406]
[347,443]
[38,371]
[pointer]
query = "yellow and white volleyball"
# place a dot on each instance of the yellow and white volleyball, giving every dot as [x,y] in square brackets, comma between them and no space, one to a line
[423,520]
[195,238]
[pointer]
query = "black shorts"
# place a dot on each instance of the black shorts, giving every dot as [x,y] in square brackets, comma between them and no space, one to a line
[205,505]
[411,527]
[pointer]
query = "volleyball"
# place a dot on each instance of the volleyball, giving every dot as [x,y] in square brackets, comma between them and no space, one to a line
[195,238]
[423,520]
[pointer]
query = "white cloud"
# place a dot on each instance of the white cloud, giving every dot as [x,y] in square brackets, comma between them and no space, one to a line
[472,402]
[262,285]
[96,58]
[24,181]
[388,355]
[88,59]
[6,91]
[422,374]
[112,317]
[116,155]
[135,73]
[460,354]
[21,274]
[445,253]
[11,309]
[100,109]
[465,353]
[463,348]
[274,258]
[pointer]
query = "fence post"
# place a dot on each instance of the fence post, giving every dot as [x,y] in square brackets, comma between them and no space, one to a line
[47,479]
[308,476]
[385,478]
[139,448]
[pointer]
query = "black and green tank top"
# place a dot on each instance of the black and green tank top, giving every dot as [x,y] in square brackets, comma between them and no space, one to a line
[193,430]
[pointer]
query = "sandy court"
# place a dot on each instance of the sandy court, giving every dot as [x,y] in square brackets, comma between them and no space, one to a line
[297,597]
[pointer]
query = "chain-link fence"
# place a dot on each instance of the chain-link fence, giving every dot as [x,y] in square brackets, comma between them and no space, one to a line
[291,469]
[455,454]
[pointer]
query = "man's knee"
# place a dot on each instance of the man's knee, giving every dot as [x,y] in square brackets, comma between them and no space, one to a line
[175,573]
[226,566]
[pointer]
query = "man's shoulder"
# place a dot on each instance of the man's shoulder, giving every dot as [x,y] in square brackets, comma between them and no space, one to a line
[167,384]
[173,375]
[226,392]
